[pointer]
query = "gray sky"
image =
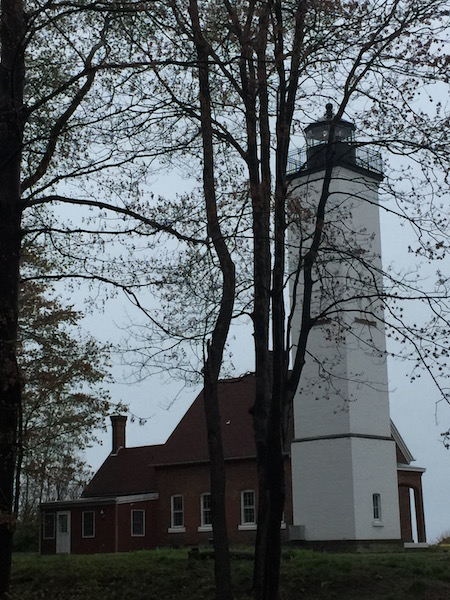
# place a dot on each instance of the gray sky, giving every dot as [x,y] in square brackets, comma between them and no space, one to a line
[415,407]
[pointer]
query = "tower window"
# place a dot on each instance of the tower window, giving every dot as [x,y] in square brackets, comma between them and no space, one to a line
[376,500]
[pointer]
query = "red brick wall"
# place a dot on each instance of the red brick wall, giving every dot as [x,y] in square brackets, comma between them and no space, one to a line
[127,542]
[405,514]
[191,481]
[111,535]
[104,531]
[411,480]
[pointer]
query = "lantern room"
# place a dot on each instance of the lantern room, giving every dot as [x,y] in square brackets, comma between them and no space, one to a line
[337,136]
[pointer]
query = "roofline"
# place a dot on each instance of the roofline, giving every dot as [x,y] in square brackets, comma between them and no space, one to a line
[206,461]
[331,121]
[401,443]
[306,172]
[137,497]
[409,468]
[140,497]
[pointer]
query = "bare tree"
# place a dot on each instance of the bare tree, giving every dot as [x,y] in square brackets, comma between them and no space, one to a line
[66,83]
[270,65]
[215,348]
[129,89]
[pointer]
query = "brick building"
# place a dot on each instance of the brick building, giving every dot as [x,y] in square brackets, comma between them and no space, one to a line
[349,473]
[158,495]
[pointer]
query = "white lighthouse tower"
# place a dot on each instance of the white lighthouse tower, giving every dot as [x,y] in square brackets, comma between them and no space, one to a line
[344,475]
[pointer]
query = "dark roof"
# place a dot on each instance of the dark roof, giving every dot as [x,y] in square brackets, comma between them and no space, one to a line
[188,442]
[128,472]
[132,470]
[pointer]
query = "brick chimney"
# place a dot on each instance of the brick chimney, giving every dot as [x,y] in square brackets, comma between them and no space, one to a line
[118,423]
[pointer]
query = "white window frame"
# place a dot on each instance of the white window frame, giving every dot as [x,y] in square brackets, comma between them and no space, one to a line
[83,515]
[203,525]
[246,524]
[44,529]
[376,510]
[173,511]
[133,512]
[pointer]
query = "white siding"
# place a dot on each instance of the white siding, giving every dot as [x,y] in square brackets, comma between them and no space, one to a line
[342,453]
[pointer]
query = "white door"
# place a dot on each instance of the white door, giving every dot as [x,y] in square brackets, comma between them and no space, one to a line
[63,532]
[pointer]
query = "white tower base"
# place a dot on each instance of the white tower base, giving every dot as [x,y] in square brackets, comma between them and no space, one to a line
[336,479]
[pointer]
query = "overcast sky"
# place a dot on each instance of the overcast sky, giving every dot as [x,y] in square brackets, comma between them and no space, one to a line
[415,407]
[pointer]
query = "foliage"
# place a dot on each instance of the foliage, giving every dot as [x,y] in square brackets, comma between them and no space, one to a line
[97,97]
[264,66]
[26,534]
[63,401]
[380,83]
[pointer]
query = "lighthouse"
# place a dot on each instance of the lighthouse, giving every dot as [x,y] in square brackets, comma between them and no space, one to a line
[344,472]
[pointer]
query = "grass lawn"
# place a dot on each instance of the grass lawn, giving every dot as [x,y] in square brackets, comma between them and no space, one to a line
[171,574]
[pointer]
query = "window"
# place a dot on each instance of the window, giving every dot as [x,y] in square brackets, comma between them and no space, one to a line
[205,504]
[376,500]
[49,526]
[248,508]
[137,523]
[177,512]
[63,523]
[88,524]
[205,513]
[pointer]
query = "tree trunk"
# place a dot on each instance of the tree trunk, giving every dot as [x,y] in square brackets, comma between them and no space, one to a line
[215,347]
[11,129]
[218,482]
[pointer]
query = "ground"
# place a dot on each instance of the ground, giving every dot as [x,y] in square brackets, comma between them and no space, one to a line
[170,574]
